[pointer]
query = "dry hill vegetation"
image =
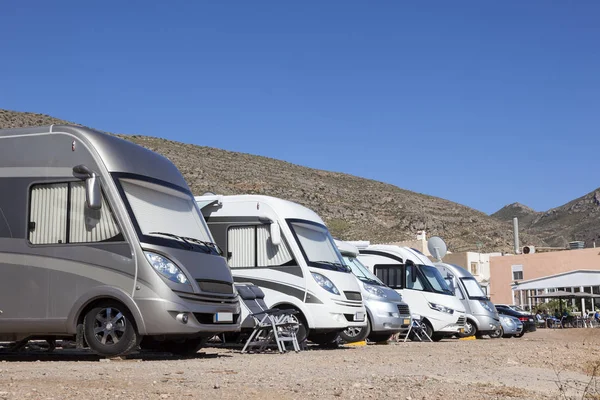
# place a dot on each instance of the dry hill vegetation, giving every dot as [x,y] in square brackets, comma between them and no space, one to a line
[577,220]
[354,208]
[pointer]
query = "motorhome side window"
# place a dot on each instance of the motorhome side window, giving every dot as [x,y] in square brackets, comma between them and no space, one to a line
[250,246]
[58,214]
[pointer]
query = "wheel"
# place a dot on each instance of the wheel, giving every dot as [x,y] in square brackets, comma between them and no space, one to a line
[184,347]
[497,333]
[379,337]
[470,329]
[519,335]
[356,333]
[302,331]
[324,338]
[507,336]
[109,329]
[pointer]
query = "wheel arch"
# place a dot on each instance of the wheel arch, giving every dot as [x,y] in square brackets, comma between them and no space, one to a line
[100,293]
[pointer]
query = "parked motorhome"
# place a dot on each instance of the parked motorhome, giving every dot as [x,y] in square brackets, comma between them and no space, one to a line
[422,287]
[482,317]
[101,240]
[386,312]
[286,249]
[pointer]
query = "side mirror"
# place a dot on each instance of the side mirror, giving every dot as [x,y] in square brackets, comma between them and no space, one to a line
[275,233]
[93,194]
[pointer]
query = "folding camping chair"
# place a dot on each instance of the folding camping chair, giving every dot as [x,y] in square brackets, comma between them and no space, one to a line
[418,329]
[270,326]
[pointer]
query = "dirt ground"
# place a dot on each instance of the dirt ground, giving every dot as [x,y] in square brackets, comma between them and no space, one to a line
[536,366]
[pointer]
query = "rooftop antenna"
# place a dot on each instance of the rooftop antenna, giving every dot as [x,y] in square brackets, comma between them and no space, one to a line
[437,247]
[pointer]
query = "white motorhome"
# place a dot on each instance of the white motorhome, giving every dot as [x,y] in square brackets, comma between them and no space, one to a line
[422,287]
[286,250]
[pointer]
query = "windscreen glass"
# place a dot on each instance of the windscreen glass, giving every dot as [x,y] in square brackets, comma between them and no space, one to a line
[435,280]
[318,246]
[164,212]
[473,289]
[361,271]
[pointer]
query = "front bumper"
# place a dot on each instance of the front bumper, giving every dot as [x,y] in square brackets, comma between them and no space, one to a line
[486,324]
[385,316]
[449,324]
[163,317]
[330,317]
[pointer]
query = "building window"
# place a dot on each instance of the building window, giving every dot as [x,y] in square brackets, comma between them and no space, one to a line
[517,272]
[475,268]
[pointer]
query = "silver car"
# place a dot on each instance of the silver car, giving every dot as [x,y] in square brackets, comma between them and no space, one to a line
[510,326]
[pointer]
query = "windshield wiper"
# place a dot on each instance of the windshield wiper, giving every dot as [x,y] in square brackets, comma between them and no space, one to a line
[369,280]
[210,245]
[341,266]
[180,238]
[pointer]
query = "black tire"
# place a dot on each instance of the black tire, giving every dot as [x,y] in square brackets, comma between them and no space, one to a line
[109,329]
[356,334]
[507,336]
[324,339]
[470,329]
[184,347]
[520,335]
[497,333]
[379,337]
[302,332]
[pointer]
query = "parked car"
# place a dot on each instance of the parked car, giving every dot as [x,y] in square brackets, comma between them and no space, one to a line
[526,318]
[509,327]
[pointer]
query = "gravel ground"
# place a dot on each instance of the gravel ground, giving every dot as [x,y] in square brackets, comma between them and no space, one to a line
[532,367]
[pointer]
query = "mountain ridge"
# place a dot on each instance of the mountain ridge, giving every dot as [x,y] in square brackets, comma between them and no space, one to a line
[354,208]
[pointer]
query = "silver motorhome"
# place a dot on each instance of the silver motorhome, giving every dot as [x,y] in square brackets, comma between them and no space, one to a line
[101,240]
[482,317]
[387,313]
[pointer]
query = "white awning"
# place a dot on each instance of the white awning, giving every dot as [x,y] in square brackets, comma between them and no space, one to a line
[577,278]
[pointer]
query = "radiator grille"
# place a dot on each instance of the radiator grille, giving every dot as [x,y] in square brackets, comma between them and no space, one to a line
[461,321]
[215,287]
[403,309]
[353,296]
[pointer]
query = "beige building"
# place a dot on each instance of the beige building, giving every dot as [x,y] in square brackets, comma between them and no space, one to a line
[516,278]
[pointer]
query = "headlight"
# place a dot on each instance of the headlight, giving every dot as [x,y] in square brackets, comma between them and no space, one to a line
[166,267]
[325,283]
[441,308]
[506,320]
[486,305]
[374,290]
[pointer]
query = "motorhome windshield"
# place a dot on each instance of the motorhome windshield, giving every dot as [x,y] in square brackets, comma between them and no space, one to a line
[317,245]
[361,271]
[473,289]
[435,280]
[169,214]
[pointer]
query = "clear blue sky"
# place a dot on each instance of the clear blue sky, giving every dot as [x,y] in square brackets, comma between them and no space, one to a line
[483,103]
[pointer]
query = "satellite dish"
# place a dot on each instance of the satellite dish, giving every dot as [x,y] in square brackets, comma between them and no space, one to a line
[437,247]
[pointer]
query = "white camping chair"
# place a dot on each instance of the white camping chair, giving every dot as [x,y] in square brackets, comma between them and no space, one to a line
[270,326]
[417,328]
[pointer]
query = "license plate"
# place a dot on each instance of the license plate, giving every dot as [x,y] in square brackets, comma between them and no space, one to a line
[530,319]
[406,321]
[223,317]
[359,316]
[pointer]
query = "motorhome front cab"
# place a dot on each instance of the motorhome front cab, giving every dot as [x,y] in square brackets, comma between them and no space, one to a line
[101,239]
[482,317]
[286,249]
[387,313]
[422,287]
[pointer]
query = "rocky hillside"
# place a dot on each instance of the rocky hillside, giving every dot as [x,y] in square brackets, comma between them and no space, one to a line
[576,220]
[354,208]
[525,214]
